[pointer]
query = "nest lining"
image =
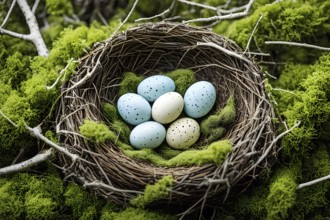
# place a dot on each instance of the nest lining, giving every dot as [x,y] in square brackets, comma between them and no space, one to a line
[148,50]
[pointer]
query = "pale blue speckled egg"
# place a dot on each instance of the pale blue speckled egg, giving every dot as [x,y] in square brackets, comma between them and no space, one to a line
[154,86]
[199,99]
[133,108]
[149,134]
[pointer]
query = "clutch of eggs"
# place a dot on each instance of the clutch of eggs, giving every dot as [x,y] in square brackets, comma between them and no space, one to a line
[166,106]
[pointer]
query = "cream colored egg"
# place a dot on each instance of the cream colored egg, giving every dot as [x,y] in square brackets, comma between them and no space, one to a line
[183,133]
[167,107]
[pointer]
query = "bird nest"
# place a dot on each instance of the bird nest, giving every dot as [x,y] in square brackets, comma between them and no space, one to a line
[151,49]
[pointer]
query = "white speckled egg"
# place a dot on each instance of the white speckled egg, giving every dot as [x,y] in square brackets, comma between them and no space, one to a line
[133,108]
[167,107]
[154,86]
[199,99]
[183,133]
[149,134]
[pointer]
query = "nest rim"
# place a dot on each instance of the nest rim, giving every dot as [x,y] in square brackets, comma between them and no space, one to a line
[161,47]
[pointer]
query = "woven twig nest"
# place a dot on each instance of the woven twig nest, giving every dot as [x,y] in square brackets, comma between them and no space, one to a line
[147,50]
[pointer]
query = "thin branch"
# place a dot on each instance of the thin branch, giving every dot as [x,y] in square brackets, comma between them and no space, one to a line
[198,5]
[35,35]
[8,119]
[31,21]
[99,184]
[126,19]
[247,8]
[40,157]
[63,72]
[224,50]
[35,6]
[153,17]
[14,34]
[252,34]
[8,13]
[36,132]
[297,45]
[319,180]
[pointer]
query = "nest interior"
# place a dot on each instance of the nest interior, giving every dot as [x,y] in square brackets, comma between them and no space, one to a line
[147,50]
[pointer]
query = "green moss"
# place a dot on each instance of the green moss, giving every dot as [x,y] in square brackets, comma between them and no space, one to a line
[136,214]
[147,155]
[183,78]
[129,83]
[110,111]
[15,70]
[287,16]
[214,153]
[311,106]
[292,75]
[97,131]
[10,206]
[59,7]
[214,126]
[157,191]
[38,207]
[18,110]
[121,129]
[282,195]
[311,200]
[116,124]
[34,197]
[250,205]
[167,152]
[83,204]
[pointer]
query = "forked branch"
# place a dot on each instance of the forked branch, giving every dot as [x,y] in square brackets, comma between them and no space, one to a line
[34,36]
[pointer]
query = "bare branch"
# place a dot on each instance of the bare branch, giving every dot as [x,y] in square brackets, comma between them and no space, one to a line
[36,132]
[31,21]
[8,13]
[297,45]
[153,17]
[8,119]
[99,184]
[252,34]
[224,50]
[310,183]
[40,157]
[127,17]
[14,34]
[198,5]
[227,16]
[35,35]
[35,6]
[63,72]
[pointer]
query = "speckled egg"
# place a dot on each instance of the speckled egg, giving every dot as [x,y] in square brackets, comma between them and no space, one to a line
[182,133]
[167,107]
[154,86]
[199,99]
[149,134]
[133,108]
